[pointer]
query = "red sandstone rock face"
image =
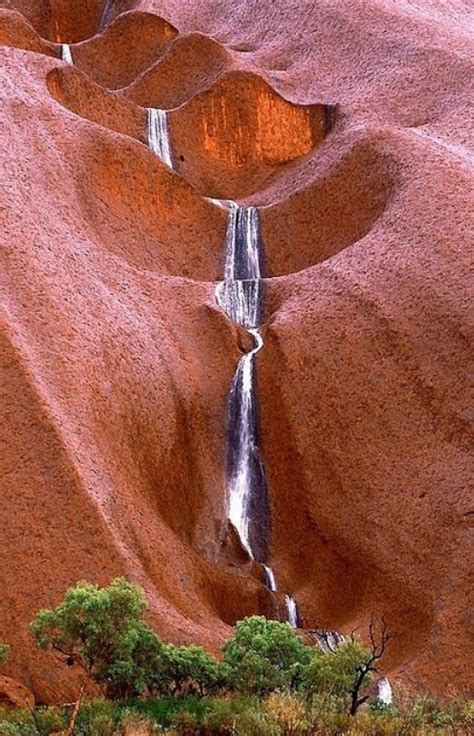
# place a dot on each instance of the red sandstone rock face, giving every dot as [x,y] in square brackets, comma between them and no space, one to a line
[116,362]
[14,695]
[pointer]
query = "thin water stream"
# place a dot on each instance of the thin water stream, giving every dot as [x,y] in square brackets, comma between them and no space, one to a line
[66,53]
[158,134]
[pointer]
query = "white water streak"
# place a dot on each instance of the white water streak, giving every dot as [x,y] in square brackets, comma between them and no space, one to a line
[158,135]
[385,691]
[240,300]
[329,640]
[270,578]
[291,611]
[66,53]
[243,222]
[240,485]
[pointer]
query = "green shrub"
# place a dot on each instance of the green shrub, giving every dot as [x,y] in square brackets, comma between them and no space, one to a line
[142,667]
[162,711]
[222,716]
[189,670]
[17,722]
[8,728]
[263,656]
[98,717]
[4,652]
[335,672]
[49,720]
[101,630]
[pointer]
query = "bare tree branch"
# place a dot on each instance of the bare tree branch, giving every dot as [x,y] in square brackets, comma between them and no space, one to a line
[378,645]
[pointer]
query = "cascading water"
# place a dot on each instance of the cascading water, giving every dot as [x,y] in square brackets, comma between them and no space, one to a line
[66,53]
[246,480]
[241,301]
[270,580]
[239,296]
[292,611]
[158,134]
[328,640]
[385,691]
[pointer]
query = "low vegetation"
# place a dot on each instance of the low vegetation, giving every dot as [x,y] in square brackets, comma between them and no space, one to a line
[269,681]
[4,652]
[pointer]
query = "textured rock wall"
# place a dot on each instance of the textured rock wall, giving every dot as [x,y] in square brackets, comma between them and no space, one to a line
[116,361]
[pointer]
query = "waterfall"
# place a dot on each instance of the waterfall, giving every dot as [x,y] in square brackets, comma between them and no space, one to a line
[385,691]
[66,53]
[241,300]
[243,244]
[270,579]
[158,134]
[328,640]
[246,485]
[292,615]
[239,296]
[292,611]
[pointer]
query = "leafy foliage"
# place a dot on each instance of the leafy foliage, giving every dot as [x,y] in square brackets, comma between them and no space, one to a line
[190,669]
[40,721]
[93,626]
[140,667]
[284,687]
[264,656]
[335,672]
[102,631]
[280,714]
[163,711]
[4,652]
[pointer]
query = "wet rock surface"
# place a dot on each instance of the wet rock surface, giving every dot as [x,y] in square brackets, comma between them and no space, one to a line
[117,362]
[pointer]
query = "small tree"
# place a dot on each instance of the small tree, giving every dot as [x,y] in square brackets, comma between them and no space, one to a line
[378,645]
[334,672]
[348,669]
[263,656]
[143,667]
[190,669]
[99,630]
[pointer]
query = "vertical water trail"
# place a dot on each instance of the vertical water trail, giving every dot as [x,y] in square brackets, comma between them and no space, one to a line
[66,53]
[292,611]
[239,295]
[246,477]
[158,134]
[243,252]
[105,16]
[241,300]
[270,579]
[385,691]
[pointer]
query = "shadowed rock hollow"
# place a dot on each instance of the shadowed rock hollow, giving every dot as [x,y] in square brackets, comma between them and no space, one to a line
[348,124]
